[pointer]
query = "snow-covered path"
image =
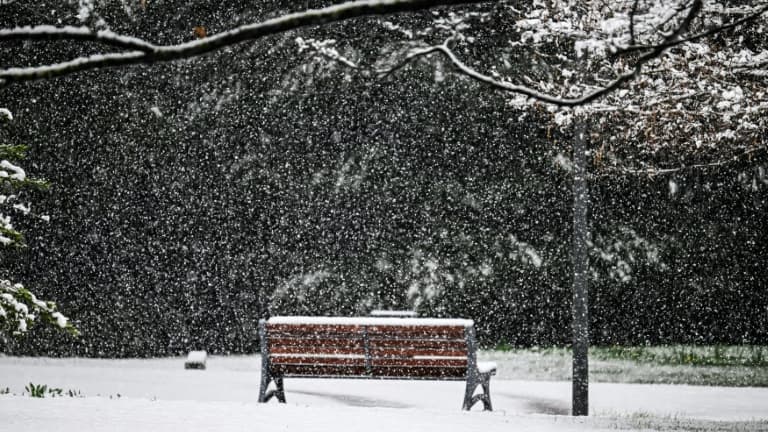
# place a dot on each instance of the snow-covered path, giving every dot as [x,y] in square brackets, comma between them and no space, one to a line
[139,395]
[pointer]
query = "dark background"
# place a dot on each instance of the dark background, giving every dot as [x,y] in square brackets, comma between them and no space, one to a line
[279,183]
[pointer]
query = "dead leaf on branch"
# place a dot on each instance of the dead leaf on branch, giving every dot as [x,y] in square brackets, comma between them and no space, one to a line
[199,32]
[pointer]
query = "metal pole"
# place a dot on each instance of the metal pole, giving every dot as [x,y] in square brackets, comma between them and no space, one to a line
[580,313]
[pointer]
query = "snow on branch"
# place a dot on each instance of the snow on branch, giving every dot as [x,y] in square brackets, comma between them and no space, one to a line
[747,17]
[672,38]
[19,307]
[663,74]
[145,52]
[512,88]
[671,20]
[656,171]
[48,32]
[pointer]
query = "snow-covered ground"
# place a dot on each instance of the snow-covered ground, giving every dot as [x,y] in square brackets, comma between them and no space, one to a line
[160,395]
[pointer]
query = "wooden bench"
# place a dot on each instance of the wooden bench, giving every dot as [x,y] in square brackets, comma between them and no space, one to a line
[372,348]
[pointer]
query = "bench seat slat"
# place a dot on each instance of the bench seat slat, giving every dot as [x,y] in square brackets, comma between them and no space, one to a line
[375,351]
[317,360]
[328,350]
[318,370]
[316,336]
[320,331]
[306,340]
[420,362]
[380,361]
[309,329]
[419,372]
[430,332]
[357,343]
[416,352]
[322,335]
[298,370]
[417,344]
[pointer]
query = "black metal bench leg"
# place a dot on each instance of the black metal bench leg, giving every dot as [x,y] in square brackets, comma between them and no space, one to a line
[470,398]
[265,379]
[279,390]
[470,390]
[487,393]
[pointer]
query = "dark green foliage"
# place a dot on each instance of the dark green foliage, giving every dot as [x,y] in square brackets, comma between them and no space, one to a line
[717,355]
[11,187]
[42,390]
[36,391]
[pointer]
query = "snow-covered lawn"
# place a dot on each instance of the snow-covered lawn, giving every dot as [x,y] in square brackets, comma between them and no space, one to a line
[160,395]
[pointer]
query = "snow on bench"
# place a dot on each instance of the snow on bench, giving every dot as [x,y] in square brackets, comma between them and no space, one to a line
[372,348]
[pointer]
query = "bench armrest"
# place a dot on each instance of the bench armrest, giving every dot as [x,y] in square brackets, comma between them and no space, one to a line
[486,367]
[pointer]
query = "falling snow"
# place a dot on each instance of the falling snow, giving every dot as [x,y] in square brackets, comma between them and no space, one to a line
[406,162]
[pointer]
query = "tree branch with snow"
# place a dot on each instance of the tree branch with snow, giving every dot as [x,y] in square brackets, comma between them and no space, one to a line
[668,74]
[680,74]
[19,307]
[143,52]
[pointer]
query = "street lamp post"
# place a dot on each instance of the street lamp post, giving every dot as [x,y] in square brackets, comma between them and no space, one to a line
[580,312]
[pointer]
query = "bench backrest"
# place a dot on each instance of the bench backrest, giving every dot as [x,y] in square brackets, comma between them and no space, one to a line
[368,347]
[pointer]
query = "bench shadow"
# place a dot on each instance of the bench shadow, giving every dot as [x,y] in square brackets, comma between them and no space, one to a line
[534,405]
[357,401]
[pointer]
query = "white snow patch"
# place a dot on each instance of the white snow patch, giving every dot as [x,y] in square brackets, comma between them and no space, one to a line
[563,118]
[22,208]
[158,395]
[393,313]
[615,25]
[563,162]
[534,257]
[735,94]
[61,320]
[672,187]
[18,172]
[86,7]
[589,46]
[5,114]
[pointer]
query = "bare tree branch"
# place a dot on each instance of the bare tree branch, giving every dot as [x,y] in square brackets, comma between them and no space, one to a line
[678,10]
[145,52]
[706,33]
[412,55]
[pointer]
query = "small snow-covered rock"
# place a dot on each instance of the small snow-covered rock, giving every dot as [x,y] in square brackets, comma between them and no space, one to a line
[196,360]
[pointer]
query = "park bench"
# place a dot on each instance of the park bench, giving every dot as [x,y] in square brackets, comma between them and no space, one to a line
[372,348]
